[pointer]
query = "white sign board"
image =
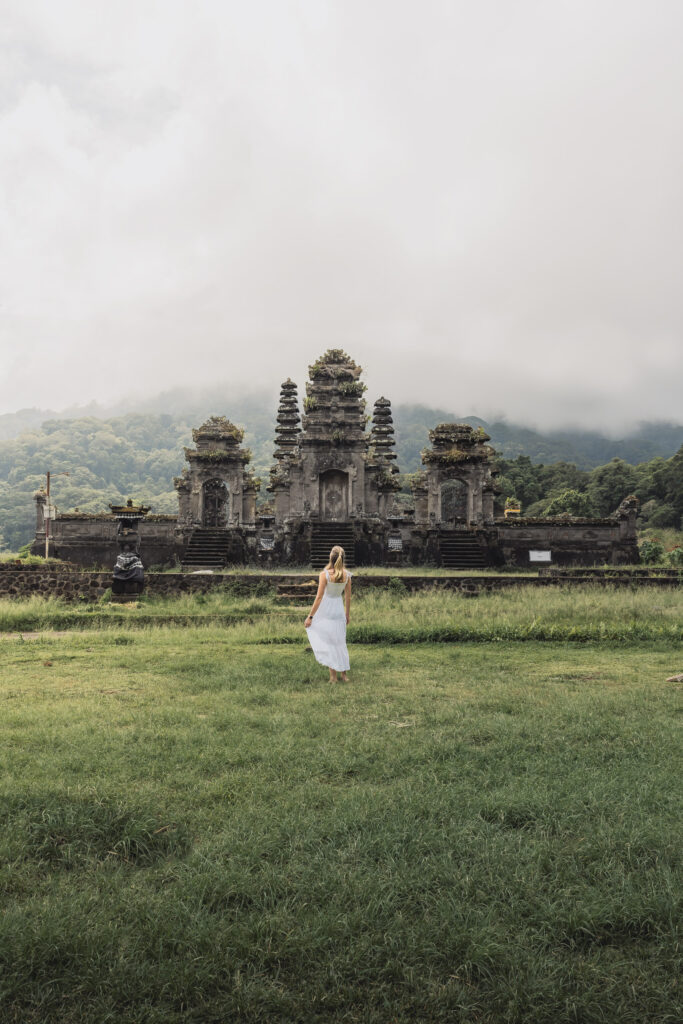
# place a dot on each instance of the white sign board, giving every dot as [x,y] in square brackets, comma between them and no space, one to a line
[540,556]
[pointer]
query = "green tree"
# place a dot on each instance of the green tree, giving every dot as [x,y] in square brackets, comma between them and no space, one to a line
[609,485]
[570,502]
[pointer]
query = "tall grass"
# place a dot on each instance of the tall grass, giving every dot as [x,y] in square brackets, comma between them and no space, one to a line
[391,616]
[35,613]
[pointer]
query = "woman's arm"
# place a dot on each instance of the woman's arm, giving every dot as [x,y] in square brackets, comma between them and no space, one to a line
[347,599]
[322,583]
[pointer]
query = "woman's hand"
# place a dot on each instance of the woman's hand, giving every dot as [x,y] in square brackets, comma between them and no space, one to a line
[309,620]
[348,618]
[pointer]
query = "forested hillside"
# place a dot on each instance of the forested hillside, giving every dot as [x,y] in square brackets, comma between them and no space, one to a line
[586,449]
[138,454]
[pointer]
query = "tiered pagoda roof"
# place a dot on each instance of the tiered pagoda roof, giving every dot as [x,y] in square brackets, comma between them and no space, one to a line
[217,434]
[217,440]
[288,423]
[334,403]
[382,434]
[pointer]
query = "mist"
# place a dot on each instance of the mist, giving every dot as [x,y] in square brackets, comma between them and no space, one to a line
[481,203]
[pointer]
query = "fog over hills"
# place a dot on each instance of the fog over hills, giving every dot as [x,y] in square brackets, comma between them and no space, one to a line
[101,454]
[256,411]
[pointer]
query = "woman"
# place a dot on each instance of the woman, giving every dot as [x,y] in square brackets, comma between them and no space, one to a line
[326,625]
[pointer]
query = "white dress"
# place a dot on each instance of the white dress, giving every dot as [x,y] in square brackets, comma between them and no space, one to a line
[327,632]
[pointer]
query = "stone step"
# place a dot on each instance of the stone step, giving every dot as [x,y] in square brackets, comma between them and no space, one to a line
[207,548]
[207,544]
[203,558]
[460,551]
[204,554]
[325,536]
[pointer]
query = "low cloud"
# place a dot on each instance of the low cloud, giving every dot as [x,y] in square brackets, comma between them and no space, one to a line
[480,202]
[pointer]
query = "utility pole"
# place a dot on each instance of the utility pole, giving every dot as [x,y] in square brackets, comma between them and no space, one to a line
[46,516]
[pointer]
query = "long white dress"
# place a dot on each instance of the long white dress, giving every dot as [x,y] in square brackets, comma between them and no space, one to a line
[327,632]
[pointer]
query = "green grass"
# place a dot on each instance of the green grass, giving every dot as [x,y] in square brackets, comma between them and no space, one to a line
[8,556]
[39,613]
[569,613]
[196,828]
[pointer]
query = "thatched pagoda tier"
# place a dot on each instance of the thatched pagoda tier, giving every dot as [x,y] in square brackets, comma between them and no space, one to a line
[334,403]
[382,434]
[217,434]
[288,422]
[454,443]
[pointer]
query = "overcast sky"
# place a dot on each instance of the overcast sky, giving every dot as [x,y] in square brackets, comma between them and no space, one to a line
[480,200]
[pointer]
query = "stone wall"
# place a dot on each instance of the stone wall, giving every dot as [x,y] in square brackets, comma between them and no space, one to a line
[74,585]
[91,540]
[570,542]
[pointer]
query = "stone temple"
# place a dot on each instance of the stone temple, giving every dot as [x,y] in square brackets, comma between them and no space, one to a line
[334,480]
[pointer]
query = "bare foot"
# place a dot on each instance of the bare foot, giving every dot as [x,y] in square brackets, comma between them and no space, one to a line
[333,677]
[344,677]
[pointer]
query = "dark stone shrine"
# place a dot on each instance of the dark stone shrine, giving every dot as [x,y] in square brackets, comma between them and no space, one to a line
[332,482]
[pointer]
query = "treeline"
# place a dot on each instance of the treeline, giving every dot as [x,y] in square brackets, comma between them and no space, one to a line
[137,455]
[562,488]
[106,461]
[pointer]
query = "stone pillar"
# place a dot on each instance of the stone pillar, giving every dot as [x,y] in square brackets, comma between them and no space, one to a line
[627,514]
[372,503]
[487,505]
[355,492]
[249,503]
[184,488]
[281,503]
[433,498]
[474,498]
[421,497]
[195,504]
[40,498]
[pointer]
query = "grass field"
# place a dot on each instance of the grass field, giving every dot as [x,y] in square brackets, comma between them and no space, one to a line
[196,827]
[570,613]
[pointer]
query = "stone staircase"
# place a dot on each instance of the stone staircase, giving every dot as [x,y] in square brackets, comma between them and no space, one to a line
[208,548]
[300,595]
[460,550]
[325,536]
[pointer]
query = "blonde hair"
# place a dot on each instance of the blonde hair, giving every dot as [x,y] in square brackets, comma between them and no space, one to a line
[336,563]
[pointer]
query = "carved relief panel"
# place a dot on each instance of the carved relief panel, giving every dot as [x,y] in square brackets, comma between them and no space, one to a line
[215,504]
[454,502]
[334,496]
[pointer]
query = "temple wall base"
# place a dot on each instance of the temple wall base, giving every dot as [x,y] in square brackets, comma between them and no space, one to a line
[92,541]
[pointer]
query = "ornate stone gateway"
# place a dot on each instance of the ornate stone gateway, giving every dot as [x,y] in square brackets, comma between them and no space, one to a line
[459,458]
[215,504]
[334,496]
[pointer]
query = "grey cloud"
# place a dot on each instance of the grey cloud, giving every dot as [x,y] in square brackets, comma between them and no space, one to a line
[480,202]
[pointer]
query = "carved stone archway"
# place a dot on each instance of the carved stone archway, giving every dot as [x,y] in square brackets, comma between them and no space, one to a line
[454,502]
[334,496]
[215,503]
